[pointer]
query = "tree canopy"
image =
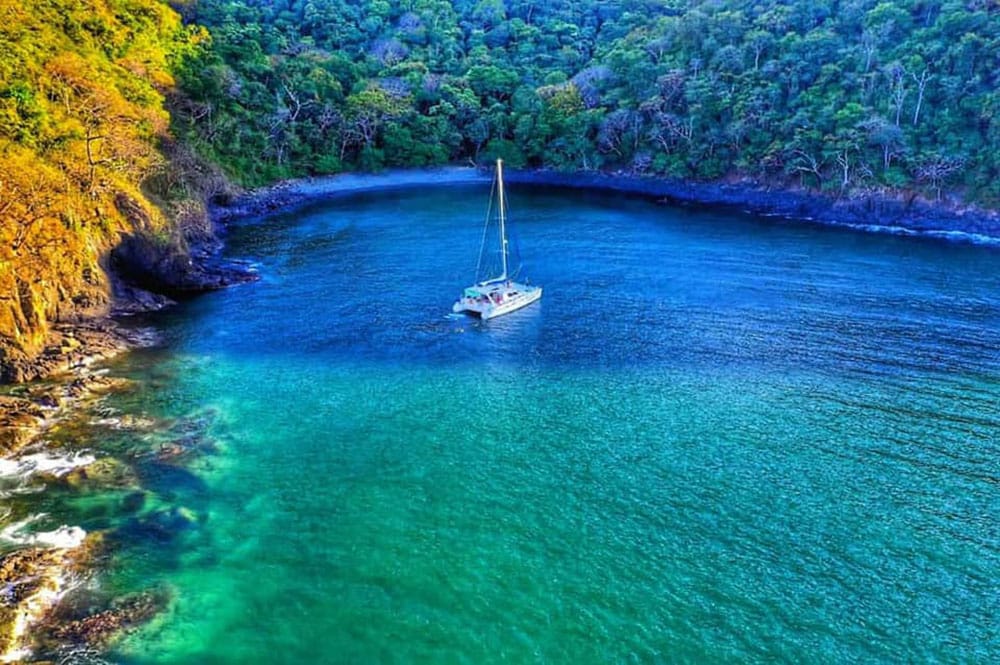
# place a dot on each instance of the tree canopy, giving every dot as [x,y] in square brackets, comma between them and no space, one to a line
[839,96]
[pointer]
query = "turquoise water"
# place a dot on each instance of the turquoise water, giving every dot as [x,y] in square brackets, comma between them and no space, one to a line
[716,439]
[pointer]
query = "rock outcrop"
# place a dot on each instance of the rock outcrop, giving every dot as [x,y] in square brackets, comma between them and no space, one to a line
[101,628]
[31,581]
[20,420]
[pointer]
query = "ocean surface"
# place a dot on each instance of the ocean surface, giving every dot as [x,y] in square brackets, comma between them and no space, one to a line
[717,438]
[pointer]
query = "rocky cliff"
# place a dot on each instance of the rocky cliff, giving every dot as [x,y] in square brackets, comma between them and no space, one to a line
[92,187]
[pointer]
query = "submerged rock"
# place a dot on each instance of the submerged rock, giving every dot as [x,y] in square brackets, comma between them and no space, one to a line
[183,449]
[105,472]
[133,502]
[174,520]
[101,628]
[162,526]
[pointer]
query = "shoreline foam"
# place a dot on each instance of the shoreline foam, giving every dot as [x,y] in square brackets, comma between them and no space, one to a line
[47,463]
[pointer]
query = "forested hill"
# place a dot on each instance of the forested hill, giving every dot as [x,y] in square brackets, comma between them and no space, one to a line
[841,96]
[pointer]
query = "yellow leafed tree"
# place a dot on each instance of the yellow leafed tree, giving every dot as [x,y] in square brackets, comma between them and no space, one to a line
[82,120]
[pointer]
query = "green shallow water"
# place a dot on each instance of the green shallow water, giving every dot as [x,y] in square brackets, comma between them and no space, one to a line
[716,439]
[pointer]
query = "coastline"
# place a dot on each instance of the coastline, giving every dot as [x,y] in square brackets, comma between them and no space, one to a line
[873,213]
[289,194]
[28,413]
[38,568]
[39,395]
[46,563]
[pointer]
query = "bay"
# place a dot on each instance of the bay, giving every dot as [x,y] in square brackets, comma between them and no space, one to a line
[717,438]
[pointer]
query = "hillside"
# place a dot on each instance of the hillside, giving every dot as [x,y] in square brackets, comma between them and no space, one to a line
[834,96]
[85,158]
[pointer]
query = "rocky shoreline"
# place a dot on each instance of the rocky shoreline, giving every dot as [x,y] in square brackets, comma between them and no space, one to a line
[33,580]
[38,570]
[143,282]
[293,193]
[52,433]
[872,212]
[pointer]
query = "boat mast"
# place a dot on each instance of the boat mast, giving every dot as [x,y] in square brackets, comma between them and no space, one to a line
[503,214]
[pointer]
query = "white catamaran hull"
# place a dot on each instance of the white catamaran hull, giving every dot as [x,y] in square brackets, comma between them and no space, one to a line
[487,307]
[499,295]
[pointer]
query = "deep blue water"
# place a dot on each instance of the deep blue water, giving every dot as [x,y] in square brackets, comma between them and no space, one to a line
[717,438]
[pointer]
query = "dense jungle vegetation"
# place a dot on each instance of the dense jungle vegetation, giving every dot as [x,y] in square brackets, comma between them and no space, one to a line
[114,113]
[850,95]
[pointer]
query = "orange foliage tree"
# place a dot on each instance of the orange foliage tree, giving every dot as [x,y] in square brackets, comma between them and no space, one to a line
[82,121]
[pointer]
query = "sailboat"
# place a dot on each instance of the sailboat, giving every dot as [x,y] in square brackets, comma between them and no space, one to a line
[499,294]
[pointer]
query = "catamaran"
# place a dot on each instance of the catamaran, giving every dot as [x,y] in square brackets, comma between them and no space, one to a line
[500,294]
